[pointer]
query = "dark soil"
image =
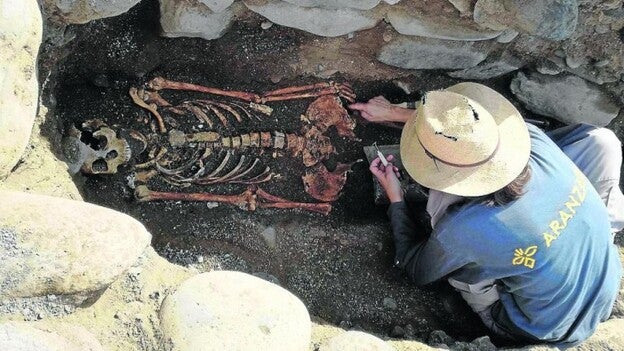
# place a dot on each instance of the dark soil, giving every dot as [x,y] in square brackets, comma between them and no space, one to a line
[340,265]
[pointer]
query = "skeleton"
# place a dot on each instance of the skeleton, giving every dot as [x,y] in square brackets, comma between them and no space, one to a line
[180,158]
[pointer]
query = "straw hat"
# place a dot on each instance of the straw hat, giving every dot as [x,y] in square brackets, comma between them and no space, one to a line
[466,140]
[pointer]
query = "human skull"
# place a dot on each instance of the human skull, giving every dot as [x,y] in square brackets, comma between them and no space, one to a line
[108,153]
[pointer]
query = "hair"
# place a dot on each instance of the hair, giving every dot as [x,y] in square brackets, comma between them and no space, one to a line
[510,192]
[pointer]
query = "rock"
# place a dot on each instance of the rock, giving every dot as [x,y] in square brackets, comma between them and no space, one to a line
[392,2]
[83,11]
[490,68]
[409,19]
[463,6]
[181,18]
[507,36]
[483,344]
[266,25]
[270,237]
[439,337]
[427,53]
[355,341]
[21,28]
[319,21]
[549,67]
[608,336]
[337,4]
[566,98]
[234,311]
[217,5]
[389,303]
[548,19]
[397,332]
[21,336]
[574,62]
[56,246]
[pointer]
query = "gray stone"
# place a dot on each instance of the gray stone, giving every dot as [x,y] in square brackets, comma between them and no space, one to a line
[507,36]
[408,19]
[217,5]
[83,11]
[439,337]
[548,19]
[389,303]
[319,21]
[463,6]
[490,68]
[567,98]
[483,344]
[226,310]
[181,18]
[270,237]
[427,53]
[354,341]
[337,4]
[549,67]
[574,62]
[20,28]
[56,246]
[21,336]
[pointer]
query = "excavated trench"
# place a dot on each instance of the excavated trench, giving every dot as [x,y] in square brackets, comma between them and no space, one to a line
[340,265]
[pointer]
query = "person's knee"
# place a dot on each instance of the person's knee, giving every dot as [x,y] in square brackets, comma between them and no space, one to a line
[606,143]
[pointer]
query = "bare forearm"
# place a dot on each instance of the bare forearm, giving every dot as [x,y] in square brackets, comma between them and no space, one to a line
[401,114]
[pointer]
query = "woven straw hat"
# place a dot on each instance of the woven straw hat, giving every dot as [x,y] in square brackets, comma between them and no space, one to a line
[466,140]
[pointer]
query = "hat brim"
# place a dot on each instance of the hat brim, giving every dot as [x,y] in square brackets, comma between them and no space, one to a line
[510,159]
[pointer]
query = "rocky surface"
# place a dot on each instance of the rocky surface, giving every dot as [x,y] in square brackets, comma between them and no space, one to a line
[417,18]
[566,98]
[181,18]
[354,341]
[549,19]
[316,20]
[63,247]
[21,28]
[492,67]
[16,336]
[83,11]
[424,53]
[236,311]
[337,4]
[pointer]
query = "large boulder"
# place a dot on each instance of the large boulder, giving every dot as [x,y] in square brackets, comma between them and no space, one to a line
[21,29]
[225,310]
[181,18]
[355,341]
[567,98]
[413,17]
[62,247]
[21,336]
[427,53]
[83,11]
[548,19]
[319,21]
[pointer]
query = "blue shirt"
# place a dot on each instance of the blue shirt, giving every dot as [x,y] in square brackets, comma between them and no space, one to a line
[550,251]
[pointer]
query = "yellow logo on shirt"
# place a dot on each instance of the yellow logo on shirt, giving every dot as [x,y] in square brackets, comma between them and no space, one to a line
[524,257]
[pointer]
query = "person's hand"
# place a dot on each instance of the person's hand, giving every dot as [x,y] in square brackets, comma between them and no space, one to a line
[388,177]
[380,110]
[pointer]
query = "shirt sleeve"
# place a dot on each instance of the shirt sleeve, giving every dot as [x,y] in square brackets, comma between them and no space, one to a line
[423,259]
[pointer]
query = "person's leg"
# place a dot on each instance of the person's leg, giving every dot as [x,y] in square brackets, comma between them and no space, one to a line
[481,297]
[597,152]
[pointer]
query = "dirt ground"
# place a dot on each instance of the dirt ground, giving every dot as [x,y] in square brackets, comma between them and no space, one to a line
[340,265]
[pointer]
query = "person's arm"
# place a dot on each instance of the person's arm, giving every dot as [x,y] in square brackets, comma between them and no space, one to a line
[380,110]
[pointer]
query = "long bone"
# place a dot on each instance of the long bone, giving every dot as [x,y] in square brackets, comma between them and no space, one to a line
[247,200]
[290,93]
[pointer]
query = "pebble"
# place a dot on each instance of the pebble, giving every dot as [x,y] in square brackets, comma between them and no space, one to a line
[389,303]
[549,67]
[397,332]
[387,36]
[345,324]
[603,28]
[266,25]
[270,237]
[560,53]
[200,259]
[602,63]
[439,337]
[351,35]
[507,36]
[409,331]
